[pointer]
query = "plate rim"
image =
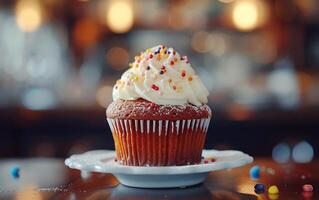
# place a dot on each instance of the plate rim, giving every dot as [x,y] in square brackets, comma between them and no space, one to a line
[159,170]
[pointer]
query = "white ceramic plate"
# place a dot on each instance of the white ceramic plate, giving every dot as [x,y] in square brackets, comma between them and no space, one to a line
[157,177]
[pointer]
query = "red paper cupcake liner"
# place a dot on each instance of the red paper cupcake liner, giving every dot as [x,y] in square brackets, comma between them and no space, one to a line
[158,142]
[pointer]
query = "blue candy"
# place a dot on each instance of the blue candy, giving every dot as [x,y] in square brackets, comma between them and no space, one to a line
[255,172]
[259,188]
[15,172]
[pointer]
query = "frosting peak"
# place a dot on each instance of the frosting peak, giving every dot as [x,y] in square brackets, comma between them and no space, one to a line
[161,76]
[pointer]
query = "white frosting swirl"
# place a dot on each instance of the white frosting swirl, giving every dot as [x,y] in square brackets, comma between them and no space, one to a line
[161,76]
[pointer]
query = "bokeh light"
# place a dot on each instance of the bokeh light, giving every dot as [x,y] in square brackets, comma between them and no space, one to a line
[28,15]
[283,84]
[117,57]
[38,99]
[217,44]
[302,152]
[249,14]
[281,153]
[120,16]
[199,41]
[104,95]
[245,15]
[86,32]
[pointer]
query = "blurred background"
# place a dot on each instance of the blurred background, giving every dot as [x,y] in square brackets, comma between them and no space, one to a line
[259,59]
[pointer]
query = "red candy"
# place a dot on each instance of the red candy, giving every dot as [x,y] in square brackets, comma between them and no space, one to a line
[307,188]
[155,87]
[183,73]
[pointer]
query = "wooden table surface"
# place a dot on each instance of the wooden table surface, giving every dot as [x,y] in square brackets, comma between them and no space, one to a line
[44,179]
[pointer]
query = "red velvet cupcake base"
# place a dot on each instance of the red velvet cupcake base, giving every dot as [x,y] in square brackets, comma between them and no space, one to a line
[158,142]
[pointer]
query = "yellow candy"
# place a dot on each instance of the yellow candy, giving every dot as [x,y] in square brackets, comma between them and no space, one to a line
[134,78]
[273,189]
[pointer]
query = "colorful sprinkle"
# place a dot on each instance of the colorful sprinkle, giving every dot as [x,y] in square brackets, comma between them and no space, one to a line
[169,80]
[273,189]
[158,57]
[131,64]
[307,188]
[175,59]
[174,87]
[161,72]
[134,78]
[190,78]
[259,188]
[174,52]
[151,56]
[255,172]
[155,87]
[205,161]
[15,172]
[172,63]
[183,74]
[148,68]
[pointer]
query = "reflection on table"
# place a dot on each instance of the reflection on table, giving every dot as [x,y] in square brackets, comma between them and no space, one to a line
[44,178]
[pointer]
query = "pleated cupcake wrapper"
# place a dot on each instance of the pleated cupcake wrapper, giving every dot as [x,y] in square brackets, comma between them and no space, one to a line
[158,142]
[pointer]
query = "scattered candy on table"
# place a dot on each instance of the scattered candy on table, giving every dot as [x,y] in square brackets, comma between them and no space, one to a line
[273,189]
[255,172]
[307,188]
[15,172]
[259,188]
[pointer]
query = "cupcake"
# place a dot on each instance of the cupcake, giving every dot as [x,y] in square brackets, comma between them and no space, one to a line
[159,115]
